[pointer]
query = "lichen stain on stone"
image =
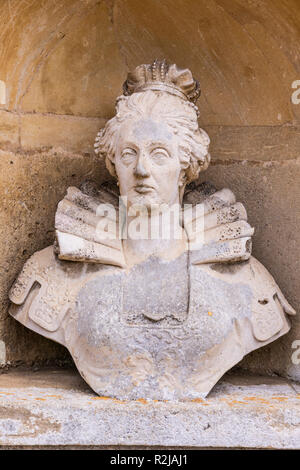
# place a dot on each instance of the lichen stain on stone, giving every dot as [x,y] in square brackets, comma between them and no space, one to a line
[53,396]
[245,401]
[280,398]
[257,399]
[114,400]
[200,401]
[143,401]
[101,398]
[122,402]
[236,402]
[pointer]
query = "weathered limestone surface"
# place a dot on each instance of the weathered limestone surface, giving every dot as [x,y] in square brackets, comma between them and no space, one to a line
[246,54]
[66,59]
[273,202]
[62,53]
[31,186]
[9,129]
[254,143]
[74,134]
[57,408]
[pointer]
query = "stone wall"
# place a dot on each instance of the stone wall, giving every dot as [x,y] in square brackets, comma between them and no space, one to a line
[63,63]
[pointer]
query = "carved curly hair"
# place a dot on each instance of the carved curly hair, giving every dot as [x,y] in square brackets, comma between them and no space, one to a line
[179,115]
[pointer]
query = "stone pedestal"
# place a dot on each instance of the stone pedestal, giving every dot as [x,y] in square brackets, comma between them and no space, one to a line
[56,408]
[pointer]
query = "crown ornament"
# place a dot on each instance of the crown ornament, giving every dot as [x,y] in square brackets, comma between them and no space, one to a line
[161,76]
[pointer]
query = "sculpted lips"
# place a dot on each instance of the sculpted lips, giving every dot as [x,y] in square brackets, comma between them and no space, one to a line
[143,188]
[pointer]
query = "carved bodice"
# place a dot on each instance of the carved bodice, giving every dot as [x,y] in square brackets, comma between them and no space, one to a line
[153,330]
[161,329]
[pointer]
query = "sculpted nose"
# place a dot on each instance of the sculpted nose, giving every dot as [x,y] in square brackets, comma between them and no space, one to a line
[141,170]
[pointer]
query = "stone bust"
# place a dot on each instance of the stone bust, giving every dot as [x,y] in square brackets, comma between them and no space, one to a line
[155,317]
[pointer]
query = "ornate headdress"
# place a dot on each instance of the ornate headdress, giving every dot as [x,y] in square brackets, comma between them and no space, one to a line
[161,76]
[158,76]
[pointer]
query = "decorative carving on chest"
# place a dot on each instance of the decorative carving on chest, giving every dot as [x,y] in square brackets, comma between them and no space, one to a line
[156,293]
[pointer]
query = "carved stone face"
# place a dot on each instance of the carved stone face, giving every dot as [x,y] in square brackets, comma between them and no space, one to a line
[147,163]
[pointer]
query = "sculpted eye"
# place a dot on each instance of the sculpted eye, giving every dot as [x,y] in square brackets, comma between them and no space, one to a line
[128,154]
[160,155]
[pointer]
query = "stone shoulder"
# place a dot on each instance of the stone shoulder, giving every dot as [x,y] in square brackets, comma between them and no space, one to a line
[43,291]
[269,306]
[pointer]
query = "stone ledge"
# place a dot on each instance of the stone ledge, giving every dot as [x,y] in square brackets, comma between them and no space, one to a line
[56,408]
